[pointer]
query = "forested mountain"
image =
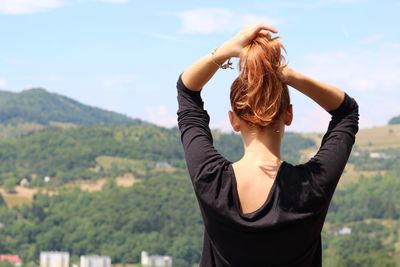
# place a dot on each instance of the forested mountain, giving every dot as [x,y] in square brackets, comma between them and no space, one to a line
[160,214]
[39,106]
[70,154]
[395,120]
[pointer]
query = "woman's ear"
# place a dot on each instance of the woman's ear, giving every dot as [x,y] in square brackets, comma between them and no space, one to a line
[233,118]
[289,115]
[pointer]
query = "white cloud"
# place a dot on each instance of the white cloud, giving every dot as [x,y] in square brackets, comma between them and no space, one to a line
[160,115]
[358,68]
[369,74]
[18,7]
[313,119]
[217,20]
[371,39]
[118,81]
[3,83]
[28,6]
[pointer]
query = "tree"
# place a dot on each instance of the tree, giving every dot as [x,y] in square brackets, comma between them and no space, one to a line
[2,201]
[9,186]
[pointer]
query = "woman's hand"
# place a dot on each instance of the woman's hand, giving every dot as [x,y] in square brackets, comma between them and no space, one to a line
[287,75]
[234,46]
[200,72]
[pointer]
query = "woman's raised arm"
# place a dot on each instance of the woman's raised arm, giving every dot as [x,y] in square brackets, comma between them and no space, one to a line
[327,166]
[199,73]
[327,96]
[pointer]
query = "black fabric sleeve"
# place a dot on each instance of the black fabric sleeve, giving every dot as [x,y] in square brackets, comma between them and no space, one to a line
[328,164]
[193,123]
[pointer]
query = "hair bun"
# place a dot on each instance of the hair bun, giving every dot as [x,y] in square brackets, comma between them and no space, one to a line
[257,94]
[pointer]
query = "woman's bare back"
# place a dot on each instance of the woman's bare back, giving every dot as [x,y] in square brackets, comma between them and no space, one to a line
[254,182]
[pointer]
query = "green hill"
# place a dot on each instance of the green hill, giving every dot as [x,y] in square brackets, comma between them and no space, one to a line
[160,214]
[395,120]
[42,107]
[70,154]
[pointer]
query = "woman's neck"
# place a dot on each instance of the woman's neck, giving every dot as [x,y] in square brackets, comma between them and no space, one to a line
[262,146]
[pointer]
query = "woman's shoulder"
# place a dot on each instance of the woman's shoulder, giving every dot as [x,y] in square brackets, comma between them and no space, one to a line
[214,169]
[298,189]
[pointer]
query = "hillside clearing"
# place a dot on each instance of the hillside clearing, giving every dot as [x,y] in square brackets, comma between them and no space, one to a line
[24,195]
[371,139]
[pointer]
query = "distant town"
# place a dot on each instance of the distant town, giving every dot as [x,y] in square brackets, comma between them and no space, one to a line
[62,259]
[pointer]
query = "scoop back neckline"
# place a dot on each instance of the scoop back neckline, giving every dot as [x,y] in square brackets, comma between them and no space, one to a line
[253,214]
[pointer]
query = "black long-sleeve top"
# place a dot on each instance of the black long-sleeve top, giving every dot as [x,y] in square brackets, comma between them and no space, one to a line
[286,229]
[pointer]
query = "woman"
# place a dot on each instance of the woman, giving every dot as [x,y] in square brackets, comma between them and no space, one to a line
[261,210]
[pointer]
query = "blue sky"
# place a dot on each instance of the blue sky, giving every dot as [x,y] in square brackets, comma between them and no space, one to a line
[126,55]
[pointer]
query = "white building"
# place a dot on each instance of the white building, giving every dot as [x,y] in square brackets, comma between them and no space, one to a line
[24,182]
[344,231]
[163,164]
[95,261]
[379,155]
[54,259]
[155,260]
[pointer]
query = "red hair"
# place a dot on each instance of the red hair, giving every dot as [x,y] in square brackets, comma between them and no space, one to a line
[257,94]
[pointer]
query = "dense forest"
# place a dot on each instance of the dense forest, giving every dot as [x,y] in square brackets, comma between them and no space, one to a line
[370,208]
[70,154]
[159,214]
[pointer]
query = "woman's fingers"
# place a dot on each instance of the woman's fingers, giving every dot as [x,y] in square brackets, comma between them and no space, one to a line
[266,27]
[266,34]
[235,45]
[262,29]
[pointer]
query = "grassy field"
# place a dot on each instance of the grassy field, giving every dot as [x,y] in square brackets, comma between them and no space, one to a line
[351,175]
[97,185]
[25,195]
[379,137]
[371,139]
[139,167]
[22,196]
